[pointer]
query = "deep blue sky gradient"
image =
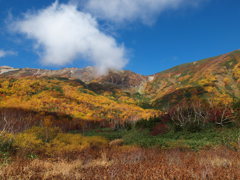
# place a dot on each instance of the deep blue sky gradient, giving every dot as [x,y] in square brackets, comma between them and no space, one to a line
[177,37]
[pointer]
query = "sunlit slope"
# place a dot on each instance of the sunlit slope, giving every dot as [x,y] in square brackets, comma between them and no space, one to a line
[215,79]
[121,95]
[70,97]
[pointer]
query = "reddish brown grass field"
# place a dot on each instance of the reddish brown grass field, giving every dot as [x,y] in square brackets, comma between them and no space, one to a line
[130,163]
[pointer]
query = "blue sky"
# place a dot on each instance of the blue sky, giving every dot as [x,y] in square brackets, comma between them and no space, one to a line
[177,36]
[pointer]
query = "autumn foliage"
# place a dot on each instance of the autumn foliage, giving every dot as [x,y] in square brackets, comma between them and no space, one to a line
[33,101]
[48,142]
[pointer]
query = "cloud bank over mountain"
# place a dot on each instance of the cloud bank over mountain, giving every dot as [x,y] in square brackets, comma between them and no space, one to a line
[62,34]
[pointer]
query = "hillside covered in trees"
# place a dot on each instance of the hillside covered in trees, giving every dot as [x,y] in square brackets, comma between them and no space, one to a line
[120,95]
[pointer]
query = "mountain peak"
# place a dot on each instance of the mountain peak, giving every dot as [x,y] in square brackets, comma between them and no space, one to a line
[6,67]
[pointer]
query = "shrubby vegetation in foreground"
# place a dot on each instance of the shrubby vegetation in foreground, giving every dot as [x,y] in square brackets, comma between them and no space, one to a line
[187,126]
[204,139]
[130,163]
[188,142]
[193,127]
[47,142]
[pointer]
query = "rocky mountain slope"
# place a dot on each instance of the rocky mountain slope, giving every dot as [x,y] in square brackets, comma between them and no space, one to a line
[122,79]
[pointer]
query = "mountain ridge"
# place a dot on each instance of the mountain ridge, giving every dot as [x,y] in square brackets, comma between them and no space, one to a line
[215,79]
[94,72]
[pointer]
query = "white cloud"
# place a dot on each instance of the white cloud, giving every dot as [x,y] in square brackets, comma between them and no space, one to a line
[132,10]
[62,34]
[4,53]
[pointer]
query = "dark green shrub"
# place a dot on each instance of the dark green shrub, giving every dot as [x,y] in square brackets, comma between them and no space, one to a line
[6,142]
[58,89]
[147,124]
[236,108]
[45,134]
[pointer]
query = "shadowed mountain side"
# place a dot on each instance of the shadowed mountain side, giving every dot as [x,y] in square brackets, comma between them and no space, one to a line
[17,120]
[192,94]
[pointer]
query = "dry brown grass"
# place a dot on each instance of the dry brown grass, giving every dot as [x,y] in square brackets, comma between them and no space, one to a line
[131,163]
